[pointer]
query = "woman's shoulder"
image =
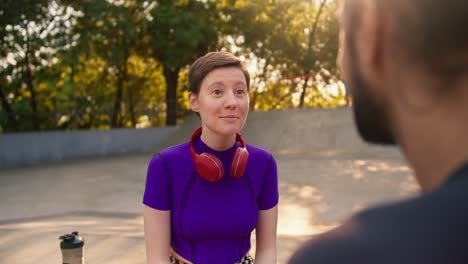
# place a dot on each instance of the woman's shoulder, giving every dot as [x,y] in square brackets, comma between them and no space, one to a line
[173,152]
[258,151]
[176,149]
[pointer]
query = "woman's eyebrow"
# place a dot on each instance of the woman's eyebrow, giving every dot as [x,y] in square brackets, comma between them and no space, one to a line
[216,83]
[240,82]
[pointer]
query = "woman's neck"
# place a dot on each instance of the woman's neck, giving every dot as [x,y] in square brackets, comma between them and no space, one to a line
[217,142]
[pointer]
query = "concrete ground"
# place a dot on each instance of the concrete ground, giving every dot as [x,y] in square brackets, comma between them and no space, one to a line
[325,174]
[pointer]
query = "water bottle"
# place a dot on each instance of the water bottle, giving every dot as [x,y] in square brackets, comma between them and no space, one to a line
[71,246]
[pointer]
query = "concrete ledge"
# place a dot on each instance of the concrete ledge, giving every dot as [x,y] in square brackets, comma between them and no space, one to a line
[38,147]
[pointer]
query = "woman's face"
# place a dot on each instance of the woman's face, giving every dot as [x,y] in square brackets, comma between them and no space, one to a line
[222,102]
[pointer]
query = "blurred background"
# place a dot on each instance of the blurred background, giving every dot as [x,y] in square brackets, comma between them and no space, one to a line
[73,65]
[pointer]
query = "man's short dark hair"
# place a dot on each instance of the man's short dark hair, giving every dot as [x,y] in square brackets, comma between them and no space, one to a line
[432,33]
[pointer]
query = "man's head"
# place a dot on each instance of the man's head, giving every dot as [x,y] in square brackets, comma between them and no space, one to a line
[401,57]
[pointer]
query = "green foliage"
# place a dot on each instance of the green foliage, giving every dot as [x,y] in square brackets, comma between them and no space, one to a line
[291,41]
[178,32]
[97,64]
[32,33]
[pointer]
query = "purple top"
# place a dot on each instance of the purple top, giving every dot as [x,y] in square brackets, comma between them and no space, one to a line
[211,222]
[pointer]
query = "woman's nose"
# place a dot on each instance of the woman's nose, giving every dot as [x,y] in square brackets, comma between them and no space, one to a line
[230,100]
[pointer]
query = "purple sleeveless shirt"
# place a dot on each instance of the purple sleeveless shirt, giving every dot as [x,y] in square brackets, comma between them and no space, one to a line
[211,222]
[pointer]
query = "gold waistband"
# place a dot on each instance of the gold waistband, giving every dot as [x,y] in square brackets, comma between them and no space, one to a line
[179,257]
[182,260]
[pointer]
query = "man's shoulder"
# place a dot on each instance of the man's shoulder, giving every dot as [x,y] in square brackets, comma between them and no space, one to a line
[398,232]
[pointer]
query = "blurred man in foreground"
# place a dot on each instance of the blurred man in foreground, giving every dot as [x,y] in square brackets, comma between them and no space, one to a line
[406,63]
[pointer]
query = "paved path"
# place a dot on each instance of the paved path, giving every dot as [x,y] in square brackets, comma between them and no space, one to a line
[325,175]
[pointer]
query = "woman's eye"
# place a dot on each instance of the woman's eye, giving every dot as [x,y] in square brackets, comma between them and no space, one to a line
[217,91]
[240,91]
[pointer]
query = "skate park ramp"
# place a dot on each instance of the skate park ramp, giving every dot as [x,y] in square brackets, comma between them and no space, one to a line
[325,174]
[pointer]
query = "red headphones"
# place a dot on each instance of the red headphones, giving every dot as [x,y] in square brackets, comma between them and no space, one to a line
[210,167]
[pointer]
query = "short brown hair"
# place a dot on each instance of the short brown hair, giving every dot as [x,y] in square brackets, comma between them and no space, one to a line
[210,61]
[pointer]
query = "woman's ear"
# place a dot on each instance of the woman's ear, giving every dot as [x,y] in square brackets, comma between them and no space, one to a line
[193,101]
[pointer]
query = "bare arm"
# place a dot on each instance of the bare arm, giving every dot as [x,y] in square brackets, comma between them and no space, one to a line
[157,235]
[266,236]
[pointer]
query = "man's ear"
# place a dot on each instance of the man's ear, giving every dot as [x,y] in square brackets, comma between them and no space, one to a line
[370,43]
[193,101]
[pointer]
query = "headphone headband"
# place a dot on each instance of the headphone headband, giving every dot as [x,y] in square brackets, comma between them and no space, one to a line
[210,168]
[198,133]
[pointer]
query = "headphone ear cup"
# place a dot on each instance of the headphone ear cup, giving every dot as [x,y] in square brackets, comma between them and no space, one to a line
[209,167]
[239,162]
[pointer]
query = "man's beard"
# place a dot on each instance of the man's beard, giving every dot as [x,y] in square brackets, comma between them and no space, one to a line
[371,119]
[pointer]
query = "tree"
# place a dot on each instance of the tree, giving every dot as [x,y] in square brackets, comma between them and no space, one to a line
[31,34]
[292,41]
[177,33]
[89,64]
[111,29]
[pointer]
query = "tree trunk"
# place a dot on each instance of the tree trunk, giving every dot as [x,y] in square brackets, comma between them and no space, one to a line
[131,107]
[9,111]
[172,77]
[117,103]
[314,26]
[30,85]
[303,93]
[75,117]
[121,79]
[310,58]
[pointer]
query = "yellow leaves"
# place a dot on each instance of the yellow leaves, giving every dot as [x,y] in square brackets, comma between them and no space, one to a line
[184,103]
[286,94]
[262,18]
[143,122]
[182,2]
[60,83]
[241,4]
